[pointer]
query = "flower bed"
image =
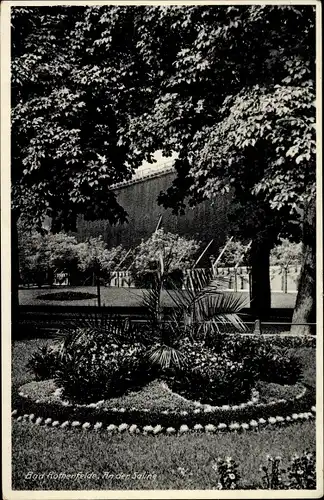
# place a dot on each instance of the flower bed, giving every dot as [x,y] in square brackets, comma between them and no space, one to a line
[135,379]
[68,295]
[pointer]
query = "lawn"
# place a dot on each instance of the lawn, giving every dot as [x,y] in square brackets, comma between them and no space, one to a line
[123,297]
[142,462]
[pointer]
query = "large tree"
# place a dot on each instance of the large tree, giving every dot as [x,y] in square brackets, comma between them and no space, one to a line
[70,116]
[237,104]
[229,88]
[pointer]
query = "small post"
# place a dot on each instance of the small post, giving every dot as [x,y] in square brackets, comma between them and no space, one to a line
[98,291]
[282,279]
[203,253]
[250,284]
[257,326]
[285,279]
[158,224]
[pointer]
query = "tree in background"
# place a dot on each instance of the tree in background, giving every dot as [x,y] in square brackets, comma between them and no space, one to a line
[287,254]
[63,255]
[43,255]
[177,253]
[95,258]
[234,253]
[34,258]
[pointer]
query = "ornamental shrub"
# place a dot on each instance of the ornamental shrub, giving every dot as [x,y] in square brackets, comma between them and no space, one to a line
[212,378]
[278,366]
[96,365]
[272,364]
[44,362]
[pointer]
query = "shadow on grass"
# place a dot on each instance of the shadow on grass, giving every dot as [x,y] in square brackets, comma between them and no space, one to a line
[67,296]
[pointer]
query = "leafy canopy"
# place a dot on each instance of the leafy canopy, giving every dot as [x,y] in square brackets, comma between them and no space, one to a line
[236,102]
[176,253]
[96,90]
[94,256]
[70,116]
[60,252]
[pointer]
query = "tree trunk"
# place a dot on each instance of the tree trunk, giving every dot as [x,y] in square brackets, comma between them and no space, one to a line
[305,308]
[98,290]
[260,280]
[14,275]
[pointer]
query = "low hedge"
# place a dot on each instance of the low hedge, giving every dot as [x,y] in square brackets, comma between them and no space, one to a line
[279,340]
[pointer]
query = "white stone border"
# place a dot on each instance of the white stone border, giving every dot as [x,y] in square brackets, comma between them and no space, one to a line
[158,429]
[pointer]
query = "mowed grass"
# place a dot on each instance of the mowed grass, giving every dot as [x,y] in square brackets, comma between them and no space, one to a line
[42,450]
[141,462]
[124,297]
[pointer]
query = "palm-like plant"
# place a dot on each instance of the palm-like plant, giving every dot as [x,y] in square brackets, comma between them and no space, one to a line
[198,311]
[204,306]
[111,327]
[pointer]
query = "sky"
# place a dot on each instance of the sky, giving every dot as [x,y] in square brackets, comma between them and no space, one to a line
[159,160]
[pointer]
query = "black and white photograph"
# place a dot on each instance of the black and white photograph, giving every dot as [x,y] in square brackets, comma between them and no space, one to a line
[161,255]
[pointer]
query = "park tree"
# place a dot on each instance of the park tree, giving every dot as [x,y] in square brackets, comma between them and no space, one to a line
[286,254]
[42,255]
[95,258]
[177,254]
[63,255]
[234,253]
[70,117]
[229,88]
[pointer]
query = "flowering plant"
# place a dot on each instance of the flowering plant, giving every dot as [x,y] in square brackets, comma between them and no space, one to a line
[211,377]
[228,476]
[272,473]
[97,364]
[302,471]
[300,474]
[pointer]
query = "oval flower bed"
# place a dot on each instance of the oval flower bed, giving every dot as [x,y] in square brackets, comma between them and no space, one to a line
[111,375]
[67,295]
[164,411]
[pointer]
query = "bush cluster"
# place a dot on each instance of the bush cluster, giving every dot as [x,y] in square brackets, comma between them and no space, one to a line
[269,362]
[99,363]
[226,371]
[211,377]
[94,366]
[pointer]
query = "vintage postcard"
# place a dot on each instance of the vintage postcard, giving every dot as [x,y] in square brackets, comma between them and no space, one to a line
[161,249]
